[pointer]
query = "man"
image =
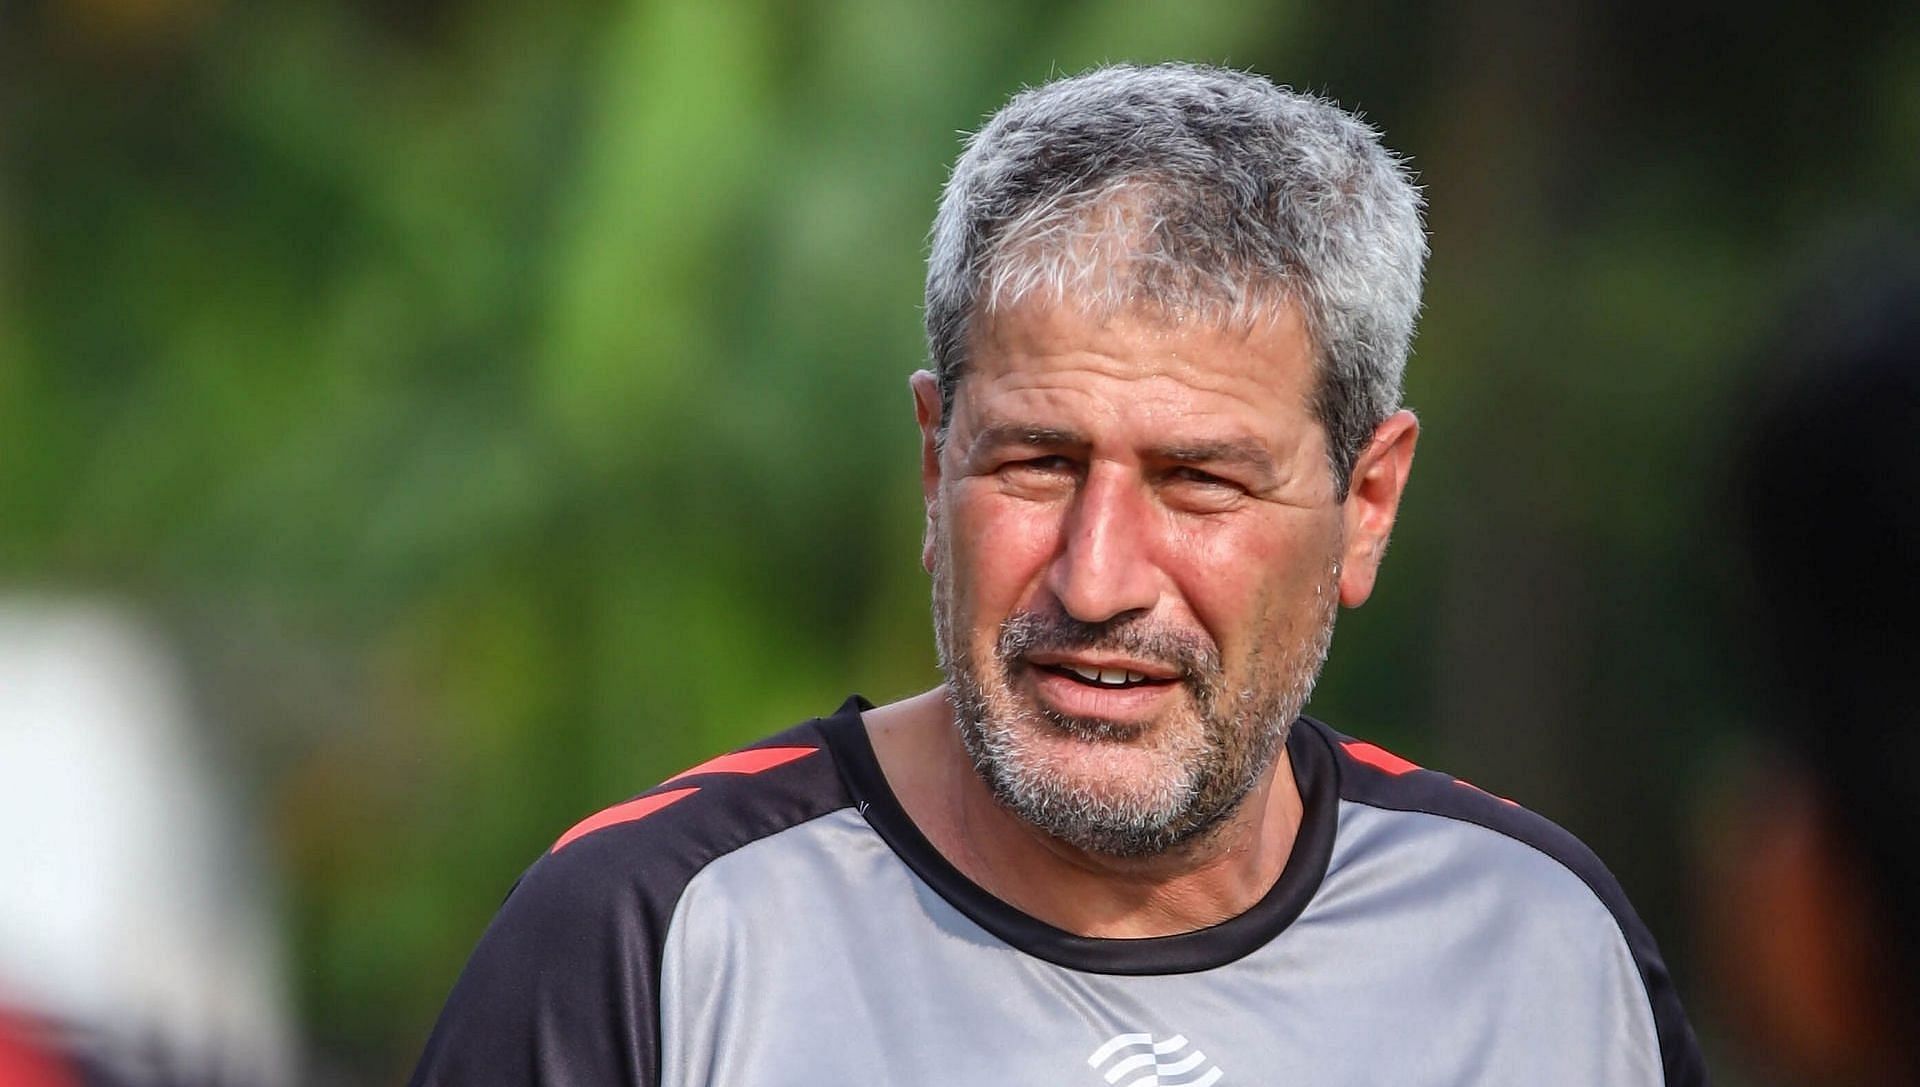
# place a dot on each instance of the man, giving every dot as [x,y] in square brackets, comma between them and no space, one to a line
[1168,310]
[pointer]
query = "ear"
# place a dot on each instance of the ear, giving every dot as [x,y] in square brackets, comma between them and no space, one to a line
[926,411]
[1373,500]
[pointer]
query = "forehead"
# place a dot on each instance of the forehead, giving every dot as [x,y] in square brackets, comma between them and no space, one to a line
[1165,371]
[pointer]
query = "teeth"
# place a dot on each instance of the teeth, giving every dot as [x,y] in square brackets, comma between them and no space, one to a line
[1106,677]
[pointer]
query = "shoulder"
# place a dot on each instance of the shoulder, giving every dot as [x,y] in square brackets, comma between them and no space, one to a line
[1530,856]
[1371,775]
[563,988]
[654,843]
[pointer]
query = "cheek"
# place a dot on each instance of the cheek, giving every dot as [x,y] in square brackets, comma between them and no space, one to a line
[1000,546]
[1241,580]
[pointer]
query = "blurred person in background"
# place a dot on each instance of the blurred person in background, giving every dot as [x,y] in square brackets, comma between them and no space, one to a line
[1169,310]
[137,945]
[1814,862]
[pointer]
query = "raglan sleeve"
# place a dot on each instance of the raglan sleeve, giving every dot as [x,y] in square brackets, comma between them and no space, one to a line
[563,989]
[1680,1059]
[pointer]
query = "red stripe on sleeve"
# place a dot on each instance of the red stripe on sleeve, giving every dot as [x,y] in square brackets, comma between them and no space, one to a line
[1478,789]
[1378,757]
[750,761]
[638,808]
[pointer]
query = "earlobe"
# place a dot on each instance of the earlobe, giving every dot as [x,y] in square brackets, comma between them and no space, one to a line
[1356,579]
[1356,585]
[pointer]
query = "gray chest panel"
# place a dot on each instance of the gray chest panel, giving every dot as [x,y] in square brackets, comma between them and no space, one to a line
[1434,952]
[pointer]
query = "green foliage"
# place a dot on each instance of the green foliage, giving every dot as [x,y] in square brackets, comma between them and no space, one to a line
[534,376]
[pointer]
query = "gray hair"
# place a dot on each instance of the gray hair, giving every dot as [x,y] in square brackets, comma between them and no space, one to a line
[1184,190]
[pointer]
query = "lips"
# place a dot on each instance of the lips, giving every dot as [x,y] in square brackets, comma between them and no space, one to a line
[1104,677]
[1089,686]
[1104,670]
[1124,672]
[1067,694]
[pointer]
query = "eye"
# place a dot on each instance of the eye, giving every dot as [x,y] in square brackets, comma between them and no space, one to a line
[1051,464]
[1198,491]
[1188,474]
[1048,476]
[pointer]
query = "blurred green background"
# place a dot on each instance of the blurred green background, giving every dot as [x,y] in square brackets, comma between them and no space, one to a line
[502,406]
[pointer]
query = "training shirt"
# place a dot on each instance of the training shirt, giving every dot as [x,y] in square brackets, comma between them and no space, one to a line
[773,918]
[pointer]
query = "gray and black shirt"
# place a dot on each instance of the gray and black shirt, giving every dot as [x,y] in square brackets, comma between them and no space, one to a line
[772,918]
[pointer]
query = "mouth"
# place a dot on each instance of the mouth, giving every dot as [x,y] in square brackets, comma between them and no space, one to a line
[1106,675]
[1113,679]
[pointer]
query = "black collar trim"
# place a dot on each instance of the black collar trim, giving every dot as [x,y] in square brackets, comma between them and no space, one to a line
[1189,952]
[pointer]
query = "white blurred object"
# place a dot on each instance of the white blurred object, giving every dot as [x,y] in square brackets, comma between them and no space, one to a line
[129,906]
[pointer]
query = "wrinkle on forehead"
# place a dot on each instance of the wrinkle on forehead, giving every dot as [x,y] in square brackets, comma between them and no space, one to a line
[1233,359]
[1033,365]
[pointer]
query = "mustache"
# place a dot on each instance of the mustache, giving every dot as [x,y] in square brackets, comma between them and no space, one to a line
[1191,653]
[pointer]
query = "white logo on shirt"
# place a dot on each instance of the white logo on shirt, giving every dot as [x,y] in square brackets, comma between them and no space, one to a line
[1136,1060]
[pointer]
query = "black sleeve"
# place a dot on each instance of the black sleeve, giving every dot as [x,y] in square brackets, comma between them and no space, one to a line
[563,989]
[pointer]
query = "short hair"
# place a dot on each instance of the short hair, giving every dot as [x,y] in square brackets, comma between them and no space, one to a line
[1183,190]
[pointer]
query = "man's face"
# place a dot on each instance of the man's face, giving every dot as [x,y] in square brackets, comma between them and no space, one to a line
[1137,552]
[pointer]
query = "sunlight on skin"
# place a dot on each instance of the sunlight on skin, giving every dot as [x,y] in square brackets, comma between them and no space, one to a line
[1129,470]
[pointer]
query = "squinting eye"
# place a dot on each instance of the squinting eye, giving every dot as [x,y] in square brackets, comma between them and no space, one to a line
[1195,475]
[1049,477]
[1052,463]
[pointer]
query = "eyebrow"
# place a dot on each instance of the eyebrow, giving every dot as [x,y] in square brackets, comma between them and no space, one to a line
[1004,434]
[1245,453]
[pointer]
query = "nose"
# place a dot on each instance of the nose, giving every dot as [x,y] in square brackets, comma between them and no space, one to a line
[1105,567]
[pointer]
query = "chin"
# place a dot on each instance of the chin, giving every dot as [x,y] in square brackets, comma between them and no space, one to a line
[1123,797]
[1109,770]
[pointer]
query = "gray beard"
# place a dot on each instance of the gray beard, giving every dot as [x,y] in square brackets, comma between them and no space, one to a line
[1241,733]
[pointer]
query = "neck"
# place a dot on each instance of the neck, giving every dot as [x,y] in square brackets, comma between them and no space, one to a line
[1210,880]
